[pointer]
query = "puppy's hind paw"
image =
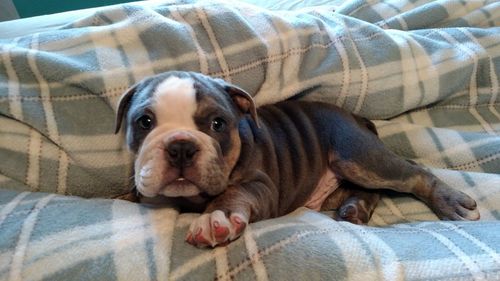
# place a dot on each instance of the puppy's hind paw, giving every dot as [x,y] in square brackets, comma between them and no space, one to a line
[212,229]
[352,213]
[454,205]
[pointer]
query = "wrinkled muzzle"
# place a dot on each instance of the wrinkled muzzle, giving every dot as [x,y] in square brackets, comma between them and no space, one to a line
[180,163]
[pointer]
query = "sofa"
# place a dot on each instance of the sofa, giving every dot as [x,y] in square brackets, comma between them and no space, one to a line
[426,72]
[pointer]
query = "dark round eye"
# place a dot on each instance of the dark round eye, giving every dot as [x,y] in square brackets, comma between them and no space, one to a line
[218,125]
[145,122]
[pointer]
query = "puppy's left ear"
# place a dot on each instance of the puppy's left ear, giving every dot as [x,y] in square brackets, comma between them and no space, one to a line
[123,105]
[243,101]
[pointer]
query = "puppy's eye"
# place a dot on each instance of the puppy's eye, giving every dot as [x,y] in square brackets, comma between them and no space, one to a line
[145,122]
[218,125]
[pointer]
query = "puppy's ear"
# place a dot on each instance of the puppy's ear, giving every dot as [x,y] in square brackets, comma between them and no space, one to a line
[123,105]
[242,100]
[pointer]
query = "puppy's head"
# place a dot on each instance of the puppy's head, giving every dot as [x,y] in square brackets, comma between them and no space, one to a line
[183,128]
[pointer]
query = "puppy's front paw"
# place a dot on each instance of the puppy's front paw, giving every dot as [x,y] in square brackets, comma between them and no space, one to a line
[212,229]
[454,205]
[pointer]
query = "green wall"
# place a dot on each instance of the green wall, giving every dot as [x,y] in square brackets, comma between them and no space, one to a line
[30,8]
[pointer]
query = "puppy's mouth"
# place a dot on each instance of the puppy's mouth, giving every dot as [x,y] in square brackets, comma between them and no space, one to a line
[180,187]
[181,181]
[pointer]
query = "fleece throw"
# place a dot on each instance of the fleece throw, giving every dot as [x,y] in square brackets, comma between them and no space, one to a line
[427,71]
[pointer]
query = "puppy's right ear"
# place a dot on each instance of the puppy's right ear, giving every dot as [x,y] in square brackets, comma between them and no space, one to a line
[123,105]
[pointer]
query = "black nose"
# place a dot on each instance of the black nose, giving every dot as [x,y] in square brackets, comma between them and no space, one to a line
[180,153]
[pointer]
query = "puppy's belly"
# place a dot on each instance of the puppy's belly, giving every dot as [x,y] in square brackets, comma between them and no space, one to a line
[327,184]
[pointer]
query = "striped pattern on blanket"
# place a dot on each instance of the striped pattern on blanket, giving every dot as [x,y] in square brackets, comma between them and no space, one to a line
[51,237]
[58,89]
[428,71]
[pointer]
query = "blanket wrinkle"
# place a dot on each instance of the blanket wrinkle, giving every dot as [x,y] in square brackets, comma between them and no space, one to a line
[427,72]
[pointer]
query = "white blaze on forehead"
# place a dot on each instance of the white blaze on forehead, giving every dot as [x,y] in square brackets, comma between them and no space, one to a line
[174,102]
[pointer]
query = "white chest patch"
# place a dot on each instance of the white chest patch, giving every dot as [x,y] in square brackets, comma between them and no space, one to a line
[174,103]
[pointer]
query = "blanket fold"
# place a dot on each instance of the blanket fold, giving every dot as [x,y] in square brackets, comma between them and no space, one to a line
[426,71]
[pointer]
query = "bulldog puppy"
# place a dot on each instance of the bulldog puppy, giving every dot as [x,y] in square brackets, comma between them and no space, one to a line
[202,142]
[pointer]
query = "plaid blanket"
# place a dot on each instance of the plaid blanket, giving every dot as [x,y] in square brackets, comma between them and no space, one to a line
[428,71]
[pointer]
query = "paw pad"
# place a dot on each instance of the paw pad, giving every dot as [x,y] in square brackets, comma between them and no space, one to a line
[215,228]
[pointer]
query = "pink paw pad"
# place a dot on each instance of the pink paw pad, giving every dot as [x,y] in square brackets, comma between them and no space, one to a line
[212,229]
[220,232]
[200,239]
[238,223]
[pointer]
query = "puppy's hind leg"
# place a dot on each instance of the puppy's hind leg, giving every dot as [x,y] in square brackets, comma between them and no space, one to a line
[360,157]
[352,203]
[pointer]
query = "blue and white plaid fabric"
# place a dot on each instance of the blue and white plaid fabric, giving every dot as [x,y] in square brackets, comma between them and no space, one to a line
[427,71]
